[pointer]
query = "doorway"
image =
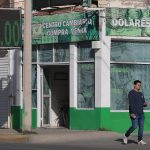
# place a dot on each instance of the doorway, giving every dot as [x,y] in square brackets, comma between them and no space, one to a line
[55,95]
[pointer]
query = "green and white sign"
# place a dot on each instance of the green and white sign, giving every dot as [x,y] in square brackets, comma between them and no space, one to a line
[127,22]
[68,27]
[10,28]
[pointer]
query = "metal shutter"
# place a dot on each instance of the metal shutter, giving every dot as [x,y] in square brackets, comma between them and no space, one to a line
[4,89]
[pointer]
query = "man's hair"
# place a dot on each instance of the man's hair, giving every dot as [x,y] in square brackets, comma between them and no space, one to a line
[137,81]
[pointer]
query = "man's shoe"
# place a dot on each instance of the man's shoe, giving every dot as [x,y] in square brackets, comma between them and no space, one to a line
[125,140]
[141,142]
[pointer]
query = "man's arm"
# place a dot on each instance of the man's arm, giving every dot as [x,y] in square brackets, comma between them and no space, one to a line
[145,104]
[132,104]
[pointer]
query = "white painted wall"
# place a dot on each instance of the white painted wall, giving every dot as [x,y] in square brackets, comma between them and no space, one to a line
[39,117]
[15,77]
[104,60]
[73,75]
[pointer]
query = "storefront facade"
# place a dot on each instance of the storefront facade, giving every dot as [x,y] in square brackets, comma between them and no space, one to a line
[81,80]
[65,71]
[129,61]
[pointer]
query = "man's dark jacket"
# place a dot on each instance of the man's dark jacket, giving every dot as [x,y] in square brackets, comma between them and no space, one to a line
[136,102]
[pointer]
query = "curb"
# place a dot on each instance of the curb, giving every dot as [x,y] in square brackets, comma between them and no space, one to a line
[13,138]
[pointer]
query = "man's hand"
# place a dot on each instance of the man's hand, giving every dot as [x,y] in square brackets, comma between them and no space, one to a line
[146,104]
[133,116]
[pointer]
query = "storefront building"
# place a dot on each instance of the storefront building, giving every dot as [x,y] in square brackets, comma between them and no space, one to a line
[64,60]
[129,60]
[84,65]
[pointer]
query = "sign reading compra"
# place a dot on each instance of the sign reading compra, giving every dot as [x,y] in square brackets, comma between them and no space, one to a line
[68,27]
[10,28]
[127,22]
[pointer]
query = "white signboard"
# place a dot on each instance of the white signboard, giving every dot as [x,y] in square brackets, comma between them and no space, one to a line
[124,3]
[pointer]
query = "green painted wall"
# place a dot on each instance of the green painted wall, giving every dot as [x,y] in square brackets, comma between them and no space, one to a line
[102,119]
[93,119]
[84,119]
[16,117]
[105,118]
[120,121]
[34,118]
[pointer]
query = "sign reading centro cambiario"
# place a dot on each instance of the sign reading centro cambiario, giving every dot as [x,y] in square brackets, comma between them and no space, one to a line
[10,28]
[67,27]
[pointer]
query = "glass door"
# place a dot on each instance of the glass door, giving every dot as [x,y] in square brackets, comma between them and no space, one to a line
[45,96]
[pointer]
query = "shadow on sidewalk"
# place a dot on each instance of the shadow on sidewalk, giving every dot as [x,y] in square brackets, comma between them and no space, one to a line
[20,131]
[129,141]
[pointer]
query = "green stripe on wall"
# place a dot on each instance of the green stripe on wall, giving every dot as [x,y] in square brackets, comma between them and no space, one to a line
[34,118]
[102,119]
[120,121]
[93,119]
[16,117]
[84,119]
[105,118]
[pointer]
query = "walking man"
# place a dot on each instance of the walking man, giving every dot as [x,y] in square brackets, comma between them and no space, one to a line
[136,104]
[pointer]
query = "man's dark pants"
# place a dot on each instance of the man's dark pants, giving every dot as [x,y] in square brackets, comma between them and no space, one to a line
[138,121]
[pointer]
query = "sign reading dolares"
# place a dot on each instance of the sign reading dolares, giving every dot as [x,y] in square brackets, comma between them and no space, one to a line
[10,28]
[127,22]
[68,27]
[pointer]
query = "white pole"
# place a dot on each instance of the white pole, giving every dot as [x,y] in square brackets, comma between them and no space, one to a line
[27,64]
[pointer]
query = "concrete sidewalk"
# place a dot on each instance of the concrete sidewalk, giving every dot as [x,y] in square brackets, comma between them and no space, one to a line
[62,135]
[53,135]
[89,140]
[58,136]
[10,135]
[8,131]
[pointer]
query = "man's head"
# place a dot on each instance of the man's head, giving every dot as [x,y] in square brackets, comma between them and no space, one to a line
[137,85]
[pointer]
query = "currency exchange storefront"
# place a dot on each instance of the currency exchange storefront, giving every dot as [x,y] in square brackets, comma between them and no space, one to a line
[129,31]
[65,69]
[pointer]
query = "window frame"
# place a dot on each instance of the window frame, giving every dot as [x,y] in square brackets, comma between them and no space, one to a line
[128,63]
[85,62]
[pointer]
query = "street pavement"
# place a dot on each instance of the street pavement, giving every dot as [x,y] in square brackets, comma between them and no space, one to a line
[64,139]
